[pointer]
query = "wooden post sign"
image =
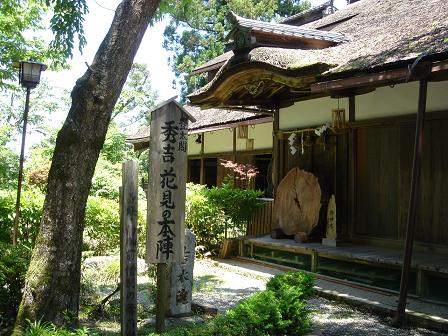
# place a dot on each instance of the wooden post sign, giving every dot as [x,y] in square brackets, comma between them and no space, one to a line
[128,249]
[166,190]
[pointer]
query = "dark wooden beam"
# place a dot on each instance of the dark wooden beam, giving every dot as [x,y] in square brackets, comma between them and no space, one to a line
[381,78]
[202,173]
[234,154]
[352,148]
[400,319]
[275,152]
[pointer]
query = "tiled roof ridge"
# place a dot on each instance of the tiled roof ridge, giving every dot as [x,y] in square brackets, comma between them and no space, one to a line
[285,29]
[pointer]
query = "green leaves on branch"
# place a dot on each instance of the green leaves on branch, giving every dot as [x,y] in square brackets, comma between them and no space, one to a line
[66,24]
[197,30]
[136,98]
[210,211]
[23,26]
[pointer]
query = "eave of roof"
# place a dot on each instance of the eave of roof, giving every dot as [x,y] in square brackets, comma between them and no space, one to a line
[213,64]
[207,120]
[418,27]
[307,12]
[288,30]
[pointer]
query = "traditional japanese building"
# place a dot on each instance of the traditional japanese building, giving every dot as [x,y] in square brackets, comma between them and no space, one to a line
[344,92]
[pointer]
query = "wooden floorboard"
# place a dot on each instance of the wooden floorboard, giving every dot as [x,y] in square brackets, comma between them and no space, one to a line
[424,261]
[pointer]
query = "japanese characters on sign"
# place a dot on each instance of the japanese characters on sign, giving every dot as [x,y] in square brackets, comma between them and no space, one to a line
[166,192]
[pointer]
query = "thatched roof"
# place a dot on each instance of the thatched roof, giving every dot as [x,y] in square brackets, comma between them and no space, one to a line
[205,120]
[213,64]
[380,33]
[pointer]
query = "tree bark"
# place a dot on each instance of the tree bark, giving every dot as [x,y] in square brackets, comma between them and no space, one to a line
[52,282]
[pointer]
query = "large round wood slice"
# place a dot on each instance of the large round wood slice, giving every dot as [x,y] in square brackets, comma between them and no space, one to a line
[297,203]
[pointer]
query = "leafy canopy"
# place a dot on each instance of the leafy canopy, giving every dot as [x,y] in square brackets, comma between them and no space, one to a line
[197,28]
[22,32]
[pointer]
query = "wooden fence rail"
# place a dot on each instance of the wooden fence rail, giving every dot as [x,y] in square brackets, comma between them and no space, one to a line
[261,222]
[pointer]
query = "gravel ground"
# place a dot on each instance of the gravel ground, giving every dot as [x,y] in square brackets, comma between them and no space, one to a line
[222,287]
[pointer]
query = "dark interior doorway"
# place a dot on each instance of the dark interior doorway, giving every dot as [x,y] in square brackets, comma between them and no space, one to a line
[263,181]
[194,171]
[210,170]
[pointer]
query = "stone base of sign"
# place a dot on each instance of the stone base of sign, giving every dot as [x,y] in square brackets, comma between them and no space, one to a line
[330,242]
[181,280]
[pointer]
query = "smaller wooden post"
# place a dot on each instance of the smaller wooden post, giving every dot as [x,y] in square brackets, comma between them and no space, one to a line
[202,172]
[128,249]
[162,296]
[275,152]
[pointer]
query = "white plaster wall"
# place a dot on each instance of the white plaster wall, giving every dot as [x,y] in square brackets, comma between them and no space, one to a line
[399,100]
[386,101]
[222,141]
[262,135]
[193,147]
[218,141]
[314,112]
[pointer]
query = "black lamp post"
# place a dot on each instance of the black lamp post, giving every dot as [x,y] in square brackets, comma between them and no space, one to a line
[29,77]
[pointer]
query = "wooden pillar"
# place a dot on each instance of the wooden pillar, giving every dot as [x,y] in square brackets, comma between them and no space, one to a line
[162,296]
[351,167]
[128,248]
[275,151]
[202,173]
[400,319]
[234,154]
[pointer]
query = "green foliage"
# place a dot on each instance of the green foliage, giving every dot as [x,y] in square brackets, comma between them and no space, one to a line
[137,96]
[102,228]
[280,310]
[197,30]
[102,225]
[107,178]
[31,205]
[209,212]
[206,220]
[14,261]
[238,204]
[9,161]
[21,26]
[39,328]
[304,281]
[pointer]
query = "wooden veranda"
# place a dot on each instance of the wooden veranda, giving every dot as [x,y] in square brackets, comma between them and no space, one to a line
[367,265]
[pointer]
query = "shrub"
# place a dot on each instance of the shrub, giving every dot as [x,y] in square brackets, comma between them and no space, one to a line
[300,280]
[205,219]
[210,212]
[14,261]
[237,204]
[31,205]
[102,225]
[280,310]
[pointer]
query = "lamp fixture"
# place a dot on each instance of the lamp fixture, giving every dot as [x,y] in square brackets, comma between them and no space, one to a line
[29,72]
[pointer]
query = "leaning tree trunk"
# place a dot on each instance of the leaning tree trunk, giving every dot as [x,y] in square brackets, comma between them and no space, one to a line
[52,283]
